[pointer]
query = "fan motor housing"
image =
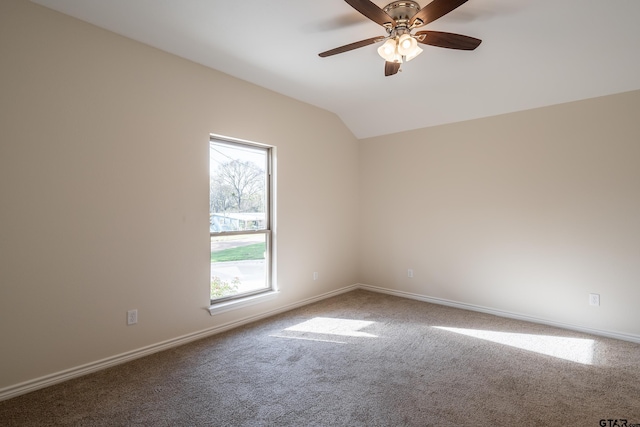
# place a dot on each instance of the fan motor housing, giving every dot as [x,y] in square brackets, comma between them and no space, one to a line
[402,11]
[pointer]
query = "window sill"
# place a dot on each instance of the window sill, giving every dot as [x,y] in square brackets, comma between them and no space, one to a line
[241,302]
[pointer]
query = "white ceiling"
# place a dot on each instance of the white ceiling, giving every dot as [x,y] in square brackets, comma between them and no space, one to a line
[534,53]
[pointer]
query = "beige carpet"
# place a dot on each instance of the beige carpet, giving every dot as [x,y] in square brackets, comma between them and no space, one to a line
[359,359]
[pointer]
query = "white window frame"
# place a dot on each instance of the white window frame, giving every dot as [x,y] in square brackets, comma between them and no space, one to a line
[221,305]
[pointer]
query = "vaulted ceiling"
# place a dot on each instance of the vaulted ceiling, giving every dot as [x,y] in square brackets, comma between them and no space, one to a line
[533,53]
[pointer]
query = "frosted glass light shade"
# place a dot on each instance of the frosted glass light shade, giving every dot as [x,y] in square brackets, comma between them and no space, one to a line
[388,50]
[417,51]
[406,45]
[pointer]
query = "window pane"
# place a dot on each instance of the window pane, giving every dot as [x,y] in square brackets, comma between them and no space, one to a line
[238,264]
[238,188]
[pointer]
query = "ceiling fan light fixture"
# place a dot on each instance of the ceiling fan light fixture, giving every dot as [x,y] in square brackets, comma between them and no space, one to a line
[399,18]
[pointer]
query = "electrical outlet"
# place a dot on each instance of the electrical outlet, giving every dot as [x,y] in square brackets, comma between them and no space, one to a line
[132,317]
[410,272]
[594,299]
[315,275]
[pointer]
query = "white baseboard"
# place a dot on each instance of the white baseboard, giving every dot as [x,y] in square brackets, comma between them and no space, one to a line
[58,377]
[78,371]
[501,313]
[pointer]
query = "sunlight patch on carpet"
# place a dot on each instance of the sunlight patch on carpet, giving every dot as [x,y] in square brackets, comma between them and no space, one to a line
[306,339]
[577,350]
[333,326]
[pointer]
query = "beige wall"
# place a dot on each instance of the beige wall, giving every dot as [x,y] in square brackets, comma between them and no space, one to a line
[526,213]
[104,192]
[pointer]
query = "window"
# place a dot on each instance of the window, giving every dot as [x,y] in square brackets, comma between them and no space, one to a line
[239,219]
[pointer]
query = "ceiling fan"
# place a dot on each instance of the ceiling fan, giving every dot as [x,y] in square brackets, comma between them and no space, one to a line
[399,19]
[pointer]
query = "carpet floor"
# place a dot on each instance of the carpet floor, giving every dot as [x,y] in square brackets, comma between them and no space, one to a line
[358,359]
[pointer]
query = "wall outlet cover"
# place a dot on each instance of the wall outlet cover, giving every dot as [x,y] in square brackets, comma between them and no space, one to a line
[132,317]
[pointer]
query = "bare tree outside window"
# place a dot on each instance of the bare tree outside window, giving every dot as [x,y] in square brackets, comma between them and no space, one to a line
[238,186]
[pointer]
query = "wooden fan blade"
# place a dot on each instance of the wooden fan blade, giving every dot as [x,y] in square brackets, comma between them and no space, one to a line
[373,12]
[351,46]
[391,68]
[448,40]
[434,10]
